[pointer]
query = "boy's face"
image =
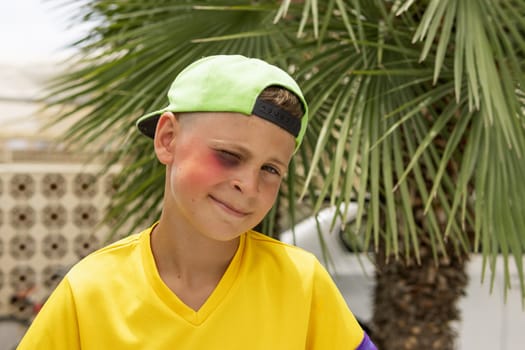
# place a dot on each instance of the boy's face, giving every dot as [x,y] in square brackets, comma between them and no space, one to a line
[223,170]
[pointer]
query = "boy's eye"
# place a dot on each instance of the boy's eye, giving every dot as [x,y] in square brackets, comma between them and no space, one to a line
[228,158]
[271,170]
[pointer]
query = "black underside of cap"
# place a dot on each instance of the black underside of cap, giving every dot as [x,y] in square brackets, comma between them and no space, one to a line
[148,126]
[278,116]
[262,109]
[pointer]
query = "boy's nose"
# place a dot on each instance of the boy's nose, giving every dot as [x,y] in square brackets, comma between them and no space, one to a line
[246,182]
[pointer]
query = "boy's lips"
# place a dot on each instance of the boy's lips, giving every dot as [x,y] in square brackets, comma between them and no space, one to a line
[229,208]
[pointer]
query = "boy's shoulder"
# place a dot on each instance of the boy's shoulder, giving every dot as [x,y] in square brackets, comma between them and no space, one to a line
[116,249]
[273,243]
[117,256]
[265,245]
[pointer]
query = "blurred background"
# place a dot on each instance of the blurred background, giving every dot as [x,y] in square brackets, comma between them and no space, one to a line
[51,201]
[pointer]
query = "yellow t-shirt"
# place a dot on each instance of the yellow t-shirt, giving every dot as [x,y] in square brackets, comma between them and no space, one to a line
[272,296]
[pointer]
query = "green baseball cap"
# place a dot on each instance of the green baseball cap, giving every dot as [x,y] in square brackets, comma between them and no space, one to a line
[230,83]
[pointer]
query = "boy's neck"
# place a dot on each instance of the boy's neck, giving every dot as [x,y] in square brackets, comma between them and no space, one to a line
[188,262]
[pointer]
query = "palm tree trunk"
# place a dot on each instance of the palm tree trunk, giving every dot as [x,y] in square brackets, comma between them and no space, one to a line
[415,304]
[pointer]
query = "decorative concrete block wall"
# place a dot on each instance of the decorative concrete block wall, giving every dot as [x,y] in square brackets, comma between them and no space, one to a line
[49,219]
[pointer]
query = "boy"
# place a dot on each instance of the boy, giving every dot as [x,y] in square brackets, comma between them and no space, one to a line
[200,278]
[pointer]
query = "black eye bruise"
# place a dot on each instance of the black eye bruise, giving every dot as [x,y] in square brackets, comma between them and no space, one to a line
[228,154]
[228,158]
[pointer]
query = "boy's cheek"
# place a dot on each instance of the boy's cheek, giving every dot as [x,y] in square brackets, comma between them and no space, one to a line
[205,169]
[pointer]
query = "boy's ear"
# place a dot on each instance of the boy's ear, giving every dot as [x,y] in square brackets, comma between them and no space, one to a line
[165,135]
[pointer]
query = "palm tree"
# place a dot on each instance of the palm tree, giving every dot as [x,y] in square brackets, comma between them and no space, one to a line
[417,110]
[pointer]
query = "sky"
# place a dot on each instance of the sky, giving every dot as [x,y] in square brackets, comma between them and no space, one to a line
[33,38]
[34,30]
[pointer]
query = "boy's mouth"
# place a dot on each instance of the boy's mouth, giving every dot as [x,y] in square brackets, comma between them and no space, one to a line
[229,208]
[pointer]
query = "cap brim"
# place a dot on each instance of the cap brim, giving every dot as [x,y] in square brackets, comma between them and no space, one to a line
[148,123]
